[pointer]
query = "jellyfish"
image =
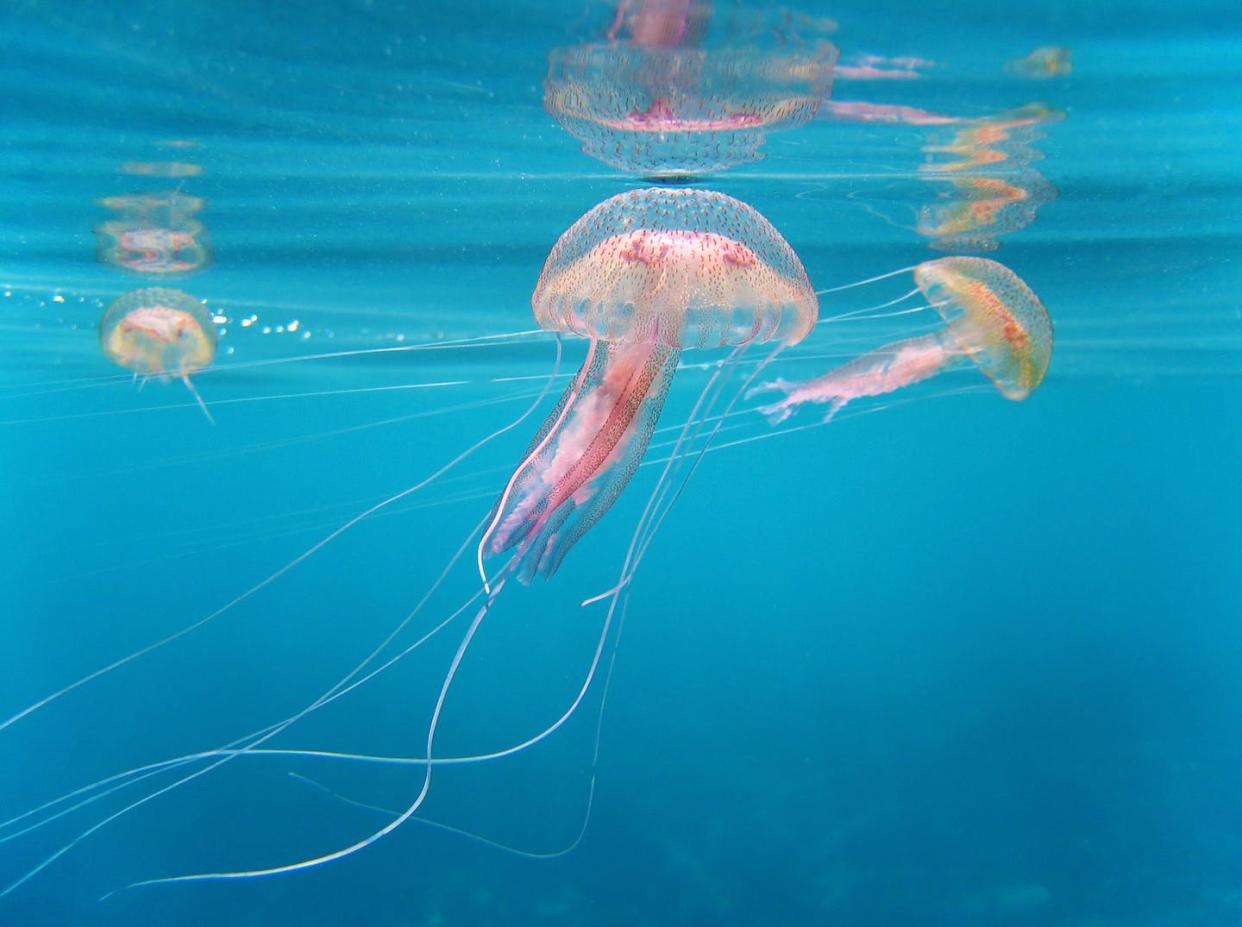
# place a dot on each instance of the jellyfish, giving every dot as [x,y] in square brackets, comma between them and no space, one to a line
[640,277]
[643,276]
[992,318]
[159,332]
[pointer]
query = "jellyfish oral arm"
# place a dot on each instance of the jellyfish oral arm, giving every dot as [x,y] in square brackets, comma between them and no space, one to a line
[876,373]
[589,453]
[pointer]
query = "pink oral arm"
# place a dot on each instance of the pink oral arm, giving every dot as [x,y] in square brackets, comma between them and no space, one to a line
[592,444]
[876,373]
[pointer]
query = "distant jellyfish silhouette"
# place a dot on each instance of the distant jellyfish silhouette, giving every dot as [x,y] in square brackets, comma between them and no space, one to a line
[664,111]
[643,275]
[992,317]
[159,332]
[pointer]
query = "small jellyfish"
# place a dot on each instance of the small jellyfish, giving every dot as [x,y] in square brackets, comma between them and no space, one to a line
[991,316]
[643,275]
[159,332]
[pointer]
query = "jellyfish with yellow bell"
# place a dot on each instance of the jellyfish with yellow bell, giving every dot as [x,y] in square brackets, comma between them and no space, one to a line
[992,318]
[159,332]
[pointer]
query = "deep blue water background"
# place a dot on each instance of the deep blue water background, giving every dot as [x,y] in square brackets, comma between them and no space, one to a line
[959,662]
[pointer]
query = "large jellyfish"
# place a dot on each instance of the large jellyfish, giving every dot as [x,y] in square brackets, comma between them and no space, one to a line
[991,317]
[642,275]
[159,332]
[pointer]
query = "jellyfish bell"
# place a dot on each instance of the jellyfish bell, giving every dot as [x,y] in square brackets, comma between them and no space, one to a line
[991,317]
[667,111]
[994,317]
[643,276]
[159,332]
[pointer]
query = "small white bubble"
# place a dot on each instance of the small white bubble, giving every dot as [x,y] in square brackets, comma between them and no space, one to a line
[293,326]
[58,298]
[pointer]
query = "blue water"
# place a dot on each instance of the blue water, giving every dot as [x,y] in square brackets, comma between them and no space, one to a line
[948,661]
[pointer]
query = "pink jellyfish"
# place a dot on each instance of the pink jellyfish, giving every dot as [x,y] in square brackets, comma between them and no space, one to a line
[992,318]
[159,332]
[642,275]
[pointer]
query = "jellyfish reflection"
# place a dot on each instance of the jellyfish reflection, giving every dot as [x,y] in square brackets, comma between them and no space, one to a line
[1045,61]
[657,105]
[978,209]
[154,234]
[991,317]
[643,275]
[989,187]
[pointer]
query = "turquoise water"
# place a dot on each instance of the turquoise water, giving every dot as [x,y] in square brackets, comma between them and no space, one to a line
[947,660]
